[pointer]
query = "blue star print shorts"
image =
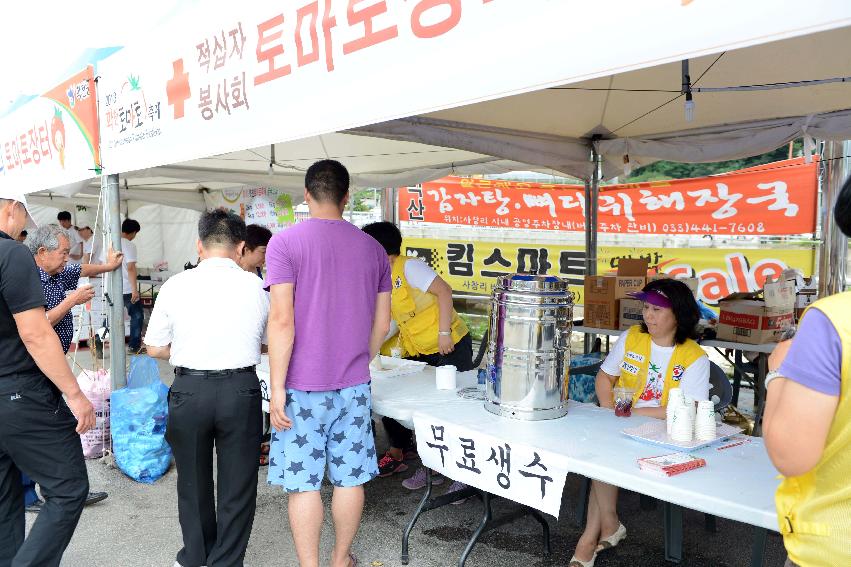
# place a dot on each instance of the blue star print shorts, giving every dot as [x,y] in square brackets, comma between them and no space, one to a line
[332,428]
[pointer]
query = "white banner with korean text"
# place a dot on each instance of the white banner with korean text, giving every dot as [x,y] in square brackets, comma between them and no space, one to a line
[515,471]
[227,76]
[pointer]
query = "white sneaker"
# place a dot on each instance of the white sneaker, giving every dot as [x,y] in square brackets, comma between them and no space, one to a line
[418,481]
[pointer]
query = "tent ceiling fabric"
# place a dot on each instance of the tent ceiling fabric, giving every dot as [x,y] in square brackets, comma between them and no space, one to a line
[549,128]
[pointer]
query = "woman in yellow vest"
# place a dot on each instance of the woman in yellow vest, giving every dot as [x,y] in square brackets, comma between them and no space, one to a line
[807,427]
[425,328]
[652,358]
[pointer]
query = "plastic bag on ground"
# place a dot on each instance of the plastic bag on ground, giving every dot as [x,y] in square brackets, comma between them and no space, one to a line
[96,386]
[139,414]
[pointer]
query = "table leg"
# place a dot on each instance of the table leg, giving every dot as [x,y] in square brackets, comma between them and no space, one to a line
[545,526]
[582,504]
[758,552]
[759,393]
[737,378]
[673,533]
[486,518]
[420,509]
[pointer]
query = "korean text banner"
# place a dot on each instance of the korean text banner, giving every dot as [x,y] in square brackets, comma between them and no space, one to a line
[779,198]
[265,206]
[522,473]
[474,266]
[226,76]
[53,139]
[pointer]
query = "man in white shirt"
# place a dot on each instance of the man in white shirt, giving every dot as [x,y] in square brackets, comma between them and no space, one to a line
[76,241]
[209,323]
[129,229]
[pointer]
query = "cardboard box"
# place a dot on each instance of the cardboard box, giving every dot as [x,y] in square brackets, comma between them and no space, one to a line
[629,313]
[692,283]
[751,319]
[601,314]
[631,276]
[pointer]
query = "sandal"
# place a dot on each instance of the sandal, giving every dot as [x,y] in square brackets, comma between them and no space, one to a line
[353,559]
[613,540]
[574,562]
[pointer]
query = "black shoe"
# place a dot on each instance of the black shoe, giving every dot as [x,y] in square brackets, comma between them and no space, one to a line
[94,497]
[35,507]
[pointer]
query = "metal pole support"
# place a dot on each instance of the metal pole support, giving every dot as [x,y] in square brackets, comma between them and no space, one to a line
[833,252]
[117,352]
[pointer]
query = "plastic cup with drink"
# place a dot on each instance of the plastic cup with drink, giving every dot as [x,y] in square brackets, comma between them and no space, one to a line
[623,401]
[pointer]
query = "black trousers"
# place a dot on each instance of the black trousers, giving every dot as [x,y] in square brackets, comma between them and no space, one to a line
[462,358]
[224,411]
[38,438]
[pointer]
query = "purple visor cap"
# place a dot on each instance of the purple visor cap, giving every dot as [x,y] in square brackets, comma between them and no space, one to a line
[653,297]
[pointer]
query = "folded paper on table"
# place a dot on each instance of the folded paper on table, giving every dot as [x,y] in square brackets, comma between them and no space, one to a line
[391,366]
[655,432]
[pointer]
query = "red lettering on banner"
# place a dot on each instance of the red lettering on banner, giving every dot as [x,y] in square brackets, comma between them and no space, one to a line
[328,23]
[428,31]
[311,10]
[268,49]
[366,16]
[765,270]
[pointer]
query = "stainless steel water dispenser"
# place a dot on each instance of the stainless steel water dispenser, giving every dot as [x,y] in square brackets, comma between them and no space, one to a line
[529,347]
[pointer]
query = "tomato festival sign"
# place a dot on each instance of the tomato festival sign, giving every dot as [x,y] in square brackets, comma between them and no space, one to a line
[53,139]
[227,76]
[778,198]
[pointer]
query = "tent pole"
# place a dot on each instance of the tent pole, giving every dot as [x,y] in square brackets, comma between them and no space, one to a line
[117,352]
[833,253]
[592,190]
[388,205]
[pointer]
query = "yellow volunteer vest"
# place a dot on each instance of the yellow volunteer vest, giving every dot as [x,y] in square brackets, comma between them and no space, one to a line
[636,362]
[814,509]
[417,315]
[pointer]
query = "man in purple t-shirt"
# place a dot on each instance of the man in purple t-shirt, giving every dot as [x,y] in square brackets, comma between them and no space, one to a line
[330,311]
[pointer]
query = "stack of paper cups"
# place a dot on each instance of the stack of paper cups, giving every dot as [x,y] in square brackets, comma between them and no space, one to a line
[692,407]
[704,423]
[445,377]
[681,427]
[675,400]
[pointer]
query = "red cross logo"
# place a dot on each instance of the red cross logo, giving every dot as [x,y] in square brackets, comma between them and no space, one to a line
[177,88]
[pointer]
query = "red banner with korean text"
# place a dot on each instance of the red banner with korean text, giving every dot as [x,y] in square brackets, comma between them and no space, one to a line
[772,199]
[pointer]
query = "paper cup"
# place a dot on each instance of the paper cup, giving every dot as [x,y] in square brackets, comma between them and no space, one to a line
[396,352]
[446,377]
[675,397]
[681,428]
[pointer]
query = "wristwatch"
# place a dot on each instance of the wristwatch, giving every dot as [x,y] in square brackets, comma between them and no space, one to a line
[771,376]
[444,333]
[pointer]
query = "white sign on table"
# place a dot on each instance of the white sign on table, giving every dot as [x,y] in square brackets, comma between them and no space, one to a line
[515,471]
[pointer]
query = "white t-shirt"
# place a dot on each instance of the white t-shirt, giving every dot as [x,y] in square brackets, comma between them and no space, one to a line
[214,317]
[419,274]
[694,383]
[130,255]
[76,241]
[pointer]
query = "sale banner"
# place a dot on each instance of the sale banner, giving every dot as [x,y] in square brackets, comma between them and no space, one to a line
[266,206]
[474,266]
[774,199]
[53,139]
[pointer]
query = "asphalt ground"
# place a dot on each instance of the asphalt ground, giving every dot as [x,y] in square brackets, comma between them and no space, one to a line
[138,526]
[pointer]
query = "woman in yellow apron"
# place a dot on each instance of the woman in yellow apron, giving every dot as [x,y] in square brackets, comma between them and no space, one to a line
[425,327]
[652,358]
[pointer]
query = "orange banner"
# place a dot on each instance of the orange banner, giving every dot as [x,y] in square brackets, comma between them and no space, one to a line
[772,199]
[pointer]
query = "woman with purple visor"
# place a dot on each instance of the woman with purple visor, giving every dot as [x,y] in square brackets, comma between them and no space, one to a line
[651,358]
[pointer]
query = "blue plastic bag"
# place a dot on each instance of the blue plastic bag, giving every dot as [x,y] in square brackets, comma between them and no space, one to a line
[139,414]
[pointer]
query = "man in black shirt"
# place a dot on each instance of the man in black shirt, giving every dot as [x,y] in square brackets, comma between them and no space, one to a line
[39,431]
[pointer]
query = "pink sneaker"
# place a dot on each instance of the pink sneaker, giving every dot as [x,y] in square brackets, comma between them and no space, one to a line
[418,481]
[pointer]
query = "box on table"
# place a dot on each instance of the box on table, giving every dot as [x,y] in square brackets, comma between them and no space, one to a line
[629,313]
[692,283]
[747,318]
[603,292]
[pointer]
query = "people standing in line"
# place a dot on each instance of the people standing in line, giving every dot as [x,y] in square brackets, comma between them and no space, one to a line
[209,323]
[50,247]
[129,229]
[807,426]
[39,430]
[330,312]
[77,241]
[254,256]
[428,329]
